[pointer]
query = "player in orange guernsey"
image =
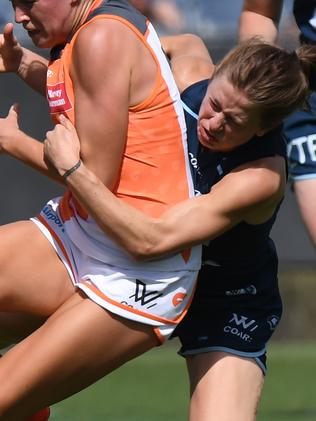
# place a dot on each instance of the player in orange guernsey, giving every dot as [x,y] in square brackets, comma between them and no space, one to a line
[60,264]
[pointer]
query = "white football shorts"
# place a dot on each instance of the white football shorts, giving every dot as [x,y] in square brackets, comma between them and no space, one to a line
[156,298]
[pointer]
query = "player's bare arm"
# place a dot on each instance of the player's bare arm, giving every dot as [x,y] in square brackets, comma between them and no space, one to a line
[19,145]
[260,18]
[32,68]
[249,194]
[29,66]
[104,91]
[189,59]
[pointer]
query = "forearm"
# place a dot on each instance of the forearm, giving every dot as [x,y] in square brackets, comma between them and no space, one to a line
[260,18]
[253,24]
[141,236]
[177,46]
[137,233]
[30,151]
[33,71]
[180,227]
[189,59]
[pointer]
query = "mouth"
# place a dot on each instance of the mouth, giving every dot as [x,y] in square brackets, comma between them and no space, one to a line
[206,138]
[31,32]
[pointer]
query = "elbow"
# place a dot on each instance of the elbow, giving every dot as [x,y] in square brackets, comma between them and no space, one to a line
[150,248]
[154,243]
[145,252]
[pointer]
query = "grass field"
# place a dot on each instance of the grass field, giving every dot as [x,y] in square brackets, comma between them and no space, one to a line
[154,388]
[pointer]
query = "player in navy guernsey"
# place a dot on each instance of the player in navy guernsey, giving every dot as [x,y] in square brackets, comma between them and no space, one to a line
[237,293]
[238,159]
[261,18]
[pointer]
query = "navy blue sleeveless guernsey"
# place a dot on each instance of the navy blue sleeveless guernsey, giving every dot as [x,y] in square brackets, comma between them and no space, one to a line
[245,245]
[237,304]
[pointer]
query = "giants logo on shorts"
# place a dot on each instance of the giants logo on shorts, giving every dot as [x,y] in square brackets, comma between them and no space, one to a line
[143,296]
[58,100]
[178,298]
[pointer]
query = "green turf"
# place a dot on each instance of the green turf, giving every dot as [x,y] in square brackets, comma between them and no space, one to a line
[290,388]
[154,388]
[150,388]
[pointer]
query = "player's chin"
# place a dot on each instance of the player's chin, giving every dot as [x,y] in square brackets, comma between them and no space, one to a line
[210,144]
[39,40]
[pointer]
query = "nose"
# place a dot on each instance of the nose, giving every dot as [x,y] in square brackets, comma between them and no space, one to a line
[217,122]
[20,15]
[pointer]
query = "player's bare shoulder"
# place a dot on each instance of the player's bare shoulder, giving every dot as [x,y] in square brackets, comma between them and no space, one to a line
[105,40]
[189,59]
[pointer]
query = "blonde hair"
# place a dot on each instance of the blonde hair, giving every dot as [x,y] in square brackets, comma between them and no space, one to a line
[274,80]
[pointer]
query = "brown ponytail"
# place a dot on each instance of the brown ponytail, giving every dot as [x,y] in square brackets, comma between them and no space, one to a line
[307,57]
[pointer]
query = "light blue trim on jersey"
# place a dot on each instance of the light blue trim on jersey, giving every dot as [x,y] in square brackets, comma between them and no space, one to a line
[206,349]
[224,349]
[303,177]
[262,366]
[189,111]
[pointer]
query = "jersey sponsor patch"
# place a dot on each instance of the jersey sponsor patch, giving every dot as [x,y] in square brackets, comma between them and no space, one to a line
[58,100]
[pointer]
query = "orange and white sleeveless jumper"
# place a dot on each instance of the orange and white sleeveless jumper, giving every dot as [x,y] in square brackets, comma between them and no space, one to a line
[155,175]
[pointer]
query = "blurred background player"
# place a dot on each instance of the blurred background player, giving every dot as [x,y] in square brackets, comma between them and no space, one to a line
[261,17]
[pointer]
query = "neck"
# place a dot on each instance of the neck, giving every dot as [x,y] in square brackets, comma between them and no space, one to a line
[82,9]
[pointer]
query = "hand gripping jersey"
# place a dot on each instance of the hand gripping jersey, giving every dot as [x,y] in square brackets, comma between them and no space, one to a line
[154,175]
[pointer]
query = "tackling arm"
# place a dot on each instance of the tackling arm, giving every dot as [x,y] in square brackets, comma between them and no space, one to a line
[234,199]
[189,59]
[251,193]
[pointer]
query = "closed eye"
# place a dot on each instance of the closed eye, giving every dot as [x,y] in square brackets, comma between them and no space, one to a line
[231,120]
[215,106]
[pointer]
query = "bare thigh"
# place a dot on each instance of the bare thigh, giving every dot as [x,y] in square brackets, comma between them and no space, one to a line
[16,326]
[223,384]
[305,192]
[32,278]
[78,345]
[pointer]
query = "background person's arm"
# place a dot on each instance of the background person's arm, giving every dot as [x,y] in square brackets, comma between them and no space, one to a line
[260,18]
[189,59]
[305,192]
